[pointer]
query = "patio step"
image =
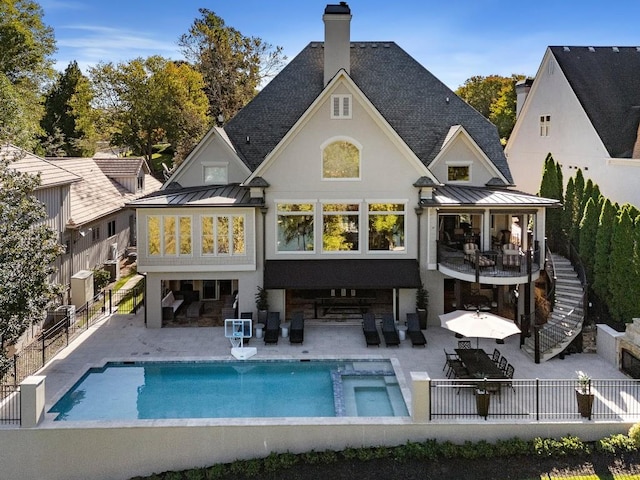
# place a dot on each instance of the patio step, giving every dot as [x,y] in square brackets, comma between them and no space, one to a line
[567,315]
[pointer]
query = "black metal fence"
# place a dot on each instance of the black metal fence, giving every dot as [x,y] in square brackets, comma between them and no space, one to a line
[535,399]
[49,342]
[9,404]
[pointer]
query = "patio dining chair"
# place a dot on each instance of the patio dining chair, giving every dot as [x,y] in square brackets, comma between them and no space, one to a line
[502,365]
[464,344]
[496,356]
[508,373]
[452,363]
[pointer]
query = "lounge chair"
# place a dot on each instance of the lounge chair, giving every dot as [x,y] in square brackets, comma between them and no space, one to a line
[370,330]
[389,331]
[296,329]
[413,330]
[272,331]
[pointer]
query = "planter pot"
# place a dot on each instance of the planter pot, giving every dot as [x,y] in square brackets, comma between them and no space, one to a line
[262,316]
[585,403]
[422,316]
[482,403]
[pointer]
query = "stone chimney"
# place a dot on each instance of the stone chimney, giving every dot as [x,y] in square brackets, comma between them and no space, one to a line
[522,90]
[337,41]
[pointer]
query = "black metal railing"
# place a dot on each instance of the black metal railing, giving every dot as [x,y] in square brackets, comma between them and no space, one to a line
[535,399]
[10,404]
[58,336]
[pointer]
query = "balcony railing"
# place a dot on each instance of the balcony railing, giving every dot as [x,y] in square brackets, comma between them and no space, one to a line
[490,263]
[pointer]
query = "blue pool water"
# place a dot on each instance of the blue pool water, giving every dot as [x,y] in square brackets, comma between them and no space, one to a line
[164,390]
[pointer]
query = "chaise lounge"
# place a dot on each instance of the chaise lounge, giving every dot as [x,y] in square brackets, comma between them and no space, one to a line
[296,329]
[272,330]
[389,331]
[413,330]
[370,331]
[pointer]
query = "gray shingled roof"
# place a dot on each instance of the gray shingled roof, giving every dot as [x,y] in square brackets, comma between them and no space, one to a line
[409,97]
[450,195]
[607,84]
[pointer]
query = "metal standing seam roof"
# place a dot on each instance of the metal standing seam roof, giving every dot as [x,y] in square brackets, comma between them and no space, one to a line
[209,196]
[486,197]
[418,106]
[606,81]
[51,175]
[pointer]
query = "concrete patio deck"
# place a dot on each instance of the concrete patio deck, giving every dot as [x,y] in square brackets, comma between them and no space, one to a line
[125,337]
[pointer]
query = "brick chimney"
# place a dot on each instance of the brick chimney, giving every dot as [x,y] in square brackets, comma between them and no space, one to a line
[337,41]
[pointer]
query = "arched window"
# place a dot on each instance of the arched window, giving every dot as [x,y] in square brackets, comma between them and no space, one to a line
[340,160]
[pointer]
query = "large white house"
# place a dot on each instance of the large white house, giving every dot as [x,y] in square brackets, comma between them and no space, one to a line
[584,108]
[351,179]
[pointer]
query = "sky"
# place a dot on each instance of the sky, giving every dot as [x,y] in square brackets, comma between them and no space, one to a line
[454,39]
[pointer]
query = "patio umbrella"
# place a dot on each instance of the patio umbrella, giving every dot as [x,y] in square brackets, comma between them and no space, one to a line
[478,324]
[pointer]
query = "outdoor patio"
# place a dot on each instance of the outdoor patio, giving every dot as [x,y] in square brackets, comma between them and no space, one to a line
[125,337]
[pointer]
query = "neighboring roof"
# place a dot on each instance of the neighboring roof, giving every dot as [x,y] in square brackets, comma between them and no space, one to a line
[450,195]
[121,167]
[418,106]
[606,81]
[218,196]
[342,273]
[96,195]
[51,175]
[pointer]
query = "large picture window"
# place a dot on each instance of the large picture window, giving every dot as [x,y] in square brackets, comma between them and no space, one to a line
[169,235]
[340,160]
[340,227]
[386,226]
[295,227]
[223,235]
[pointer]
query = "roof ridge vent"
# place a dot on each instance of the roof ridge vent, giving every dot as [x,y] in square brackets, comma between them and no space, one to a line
[615,49]
[566,49]
[591,49]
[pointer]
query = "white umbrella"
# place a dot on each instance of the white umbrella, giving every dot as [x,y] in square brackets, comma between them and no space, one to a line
[478,324]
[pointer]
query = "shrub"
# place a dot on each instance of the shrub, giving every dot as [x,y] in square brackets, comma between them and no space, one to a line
[100,279]
[634,434]
[617,443]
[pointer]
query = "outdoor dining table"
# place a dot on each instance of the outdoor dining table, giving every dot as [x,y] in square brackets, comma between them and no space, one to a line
[479,364]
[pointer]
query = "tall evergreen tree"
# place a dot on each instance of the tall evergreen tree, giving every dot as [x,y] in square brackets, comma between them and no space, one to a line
[588,234]
[569,208]
[549,188]
[620,268]
[600,283]
[68,111]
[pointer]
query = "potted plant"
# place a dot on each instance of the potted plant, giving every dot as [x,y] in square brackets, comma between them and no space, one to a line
[482,402]
[584,396]
[422,303]
[262,304]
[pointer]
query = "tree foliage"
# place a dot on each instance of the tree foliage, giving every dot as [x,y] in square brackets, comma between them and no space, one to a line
[150,100]
[233,65]
[68,113]
[494,97]
[622,283]
[27,251]
[550,187]
[588,233]
[603,249]
[19,117]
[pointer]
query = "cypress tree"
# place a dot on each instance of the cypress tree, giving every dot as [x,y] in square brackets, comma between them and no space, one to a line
[578,206]
[569,207]
[603,250]
[549,188]
[588,233]
[621,265]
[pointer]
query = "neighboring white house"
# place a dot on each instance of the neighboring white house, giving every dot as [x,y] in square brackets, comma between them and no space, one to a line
[351,179]
[584,108]
[85,202]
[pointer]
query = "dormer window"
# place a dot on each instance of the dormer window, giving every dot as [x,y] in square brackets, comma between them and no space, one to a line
[215,173]
[458,173]
[341,107]
[141,183]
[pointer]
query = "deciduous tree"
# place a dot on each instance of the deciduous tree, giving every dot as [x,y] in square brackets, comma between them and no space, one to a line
[27,251]
[233,65]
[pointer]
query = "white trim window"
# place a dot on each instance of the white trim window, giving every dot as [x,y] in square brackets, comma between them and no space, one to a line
[295,227]
[169,235]
[341,107]
[458,172]
[340,227]
[387,226]
[215,173]
[223,235]
[340,160]
[545,125]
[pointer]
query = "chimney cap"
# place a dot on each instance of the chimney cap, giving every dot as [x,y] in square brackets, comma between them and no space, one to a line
[341,8]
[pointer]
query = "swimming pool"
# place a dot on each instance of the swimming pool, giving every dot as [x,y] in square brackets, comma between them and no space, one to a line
[234,389]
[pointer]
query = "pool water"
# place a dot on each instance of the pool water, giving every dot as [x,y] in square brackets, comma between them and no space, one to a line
[230,389]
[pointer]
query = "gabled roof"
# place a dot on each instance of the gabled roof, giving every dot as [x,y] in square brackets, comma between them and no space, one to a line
[51,175]
[418,106]
[453,195]
[606,81]
[202,196]
[116,167]
[96,195]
